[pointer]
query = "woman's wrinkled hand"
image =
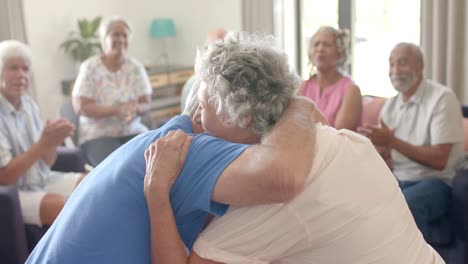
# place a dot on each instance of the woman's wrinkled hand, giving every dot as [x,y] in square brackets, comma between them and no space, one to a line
[164,161]
[128,110]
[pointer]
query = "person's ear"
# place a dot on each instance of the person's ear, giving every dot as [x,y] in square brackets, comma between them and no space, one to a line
[249,120]
[197,128]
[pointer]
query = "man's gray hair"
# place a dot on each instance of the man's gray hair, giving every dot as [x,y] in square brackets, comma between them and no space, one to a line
[106,25]
[14,49]
[415,50]
[247,75]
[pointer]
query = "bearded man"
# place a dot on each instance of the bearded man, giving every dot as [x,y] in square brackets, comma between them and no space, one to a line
[422,129]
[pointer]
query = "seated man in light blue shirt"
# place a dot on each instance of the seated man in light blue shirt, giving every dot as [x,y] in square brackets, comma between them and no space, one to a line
[28,147]
[106,219]
[423,128]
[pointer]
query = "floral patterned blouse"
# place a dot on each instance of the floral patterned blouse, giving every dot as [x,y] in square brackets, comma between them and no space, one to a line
[96,82]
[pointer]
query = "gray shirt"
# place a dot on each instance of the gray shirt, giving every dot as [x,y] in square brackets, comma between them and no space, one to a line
[19,130]
[431,116]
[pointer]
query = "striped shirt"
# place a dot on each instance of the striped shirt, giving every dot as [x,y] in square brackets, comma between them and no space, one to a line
[19,130]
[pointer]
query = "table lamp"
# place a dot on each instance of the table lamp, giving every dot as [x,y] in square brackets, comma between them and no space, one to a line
[162,28]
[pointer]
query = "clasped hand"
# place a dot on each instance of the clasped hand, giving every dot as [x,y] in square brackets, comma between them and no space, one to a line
[128,110]
[56,131]
[164,161]
[380,136]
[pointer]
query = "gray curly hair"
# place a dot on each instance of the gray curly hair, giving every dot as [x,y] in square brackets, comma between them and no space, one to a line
[247,75]
[191,103]
[341,42]
[106,25]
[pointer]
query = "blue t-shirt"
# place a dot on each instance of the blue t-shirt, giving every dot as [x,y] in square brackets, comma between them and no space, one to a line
[106,219]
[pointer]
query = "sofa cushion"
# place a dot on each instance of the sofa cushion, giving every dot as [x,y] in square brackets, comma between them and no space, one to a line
[465,128]
[371,107]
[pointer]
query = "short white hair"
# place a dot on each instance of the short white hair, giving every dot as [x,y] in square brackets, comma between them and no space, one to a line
[13,49]
[415,50]
[105,26]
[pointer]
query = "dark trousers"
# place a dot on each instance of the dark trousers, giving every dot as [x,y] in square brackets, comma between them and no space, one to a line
[428,200]
[96,150]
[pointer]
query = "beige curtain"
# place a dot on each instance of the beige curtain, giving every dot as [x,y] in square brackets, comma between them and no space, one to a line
[12,20]
[12,26]
[257,16]
[443,40]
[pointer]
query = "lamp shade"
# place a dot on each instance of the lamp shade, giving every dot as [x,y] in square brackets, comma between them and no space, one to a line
[162,28]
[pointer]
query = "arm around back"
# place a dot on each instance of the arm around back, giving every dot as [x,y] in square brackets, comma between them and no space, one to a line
[276,169]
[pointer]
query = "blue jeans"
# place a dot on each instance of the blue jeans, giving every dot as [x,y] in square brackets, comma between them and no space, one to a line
[428,200]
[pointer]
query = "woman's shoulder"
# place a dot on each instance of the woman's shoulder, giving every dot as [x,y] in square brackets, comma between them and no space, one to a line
[347,83]
[92,61]
[308,84]
[347,80]
[133,62]
[311,80]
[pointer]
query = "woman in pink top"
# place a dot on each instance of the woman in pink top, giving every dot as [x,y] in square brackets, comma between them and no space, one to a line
[335,94]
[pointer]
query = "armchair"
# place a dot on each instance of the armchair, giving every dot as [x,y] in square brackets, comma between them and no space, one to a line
[17,239]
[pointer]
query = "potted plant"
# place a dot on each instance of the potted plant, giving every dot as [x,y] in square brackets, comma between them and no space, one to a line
[84,43]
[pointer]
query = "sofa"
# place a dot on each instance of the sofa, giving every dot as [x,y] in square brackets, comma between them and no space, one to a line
[449,233]
[17,240]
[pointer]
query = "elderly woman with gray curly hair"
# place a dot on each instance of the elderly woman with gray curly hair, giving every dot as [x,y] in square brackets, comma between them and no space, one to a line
[334,92]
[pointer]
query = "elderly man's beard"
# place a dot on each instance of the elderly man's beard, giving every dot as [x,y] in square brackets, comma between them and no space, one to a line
[403,82]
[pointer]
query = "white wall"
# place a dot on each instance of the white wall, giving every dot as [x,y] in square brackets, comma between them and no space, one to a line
[45,31]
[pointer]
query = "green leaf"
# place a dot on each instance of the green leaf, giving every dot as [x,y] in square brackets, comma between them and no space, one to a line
[95,24]
[66,45]
[83,43]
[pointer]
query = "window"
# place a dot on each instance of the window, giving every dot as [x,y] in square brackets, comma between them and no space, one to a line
[376,26]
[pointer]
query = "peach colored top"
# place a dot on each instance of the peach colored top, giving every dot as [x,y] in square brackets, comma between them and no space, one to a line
[352,211]
[328,102]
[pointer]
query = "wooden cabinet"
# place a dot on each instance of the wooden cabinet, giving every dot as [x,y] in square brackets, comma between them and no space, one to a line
[167,83]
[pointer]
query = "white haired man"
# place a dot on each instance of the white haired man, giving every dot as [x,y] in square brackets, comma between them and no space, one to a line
[28,148]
